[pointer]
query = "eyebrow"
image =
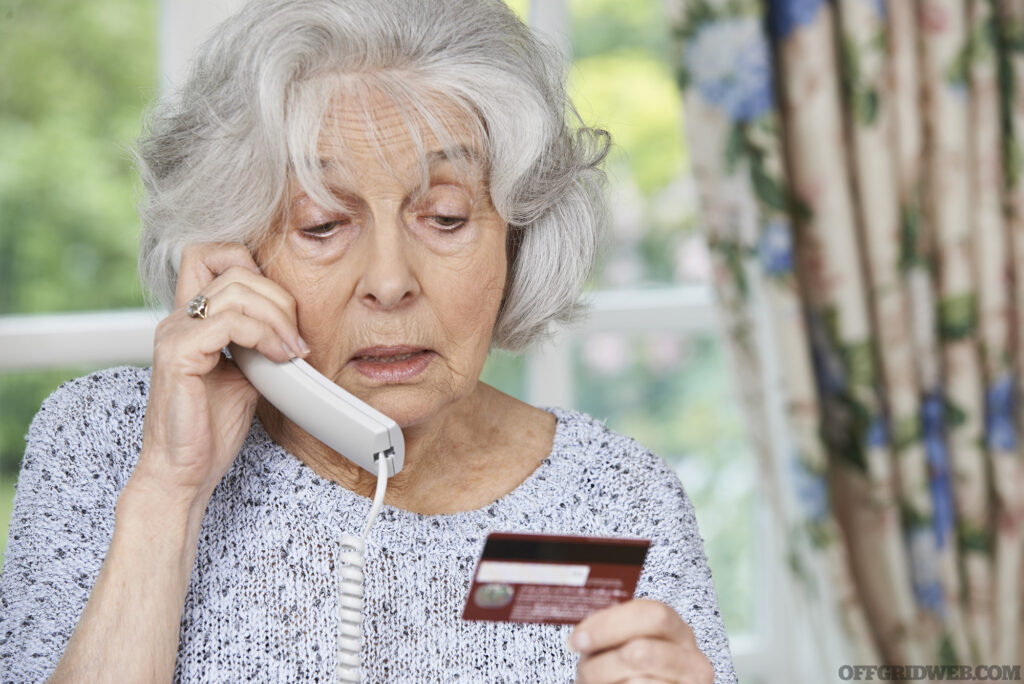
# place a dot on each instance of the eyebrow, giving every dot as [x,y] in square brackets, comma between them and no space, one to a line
[455,153]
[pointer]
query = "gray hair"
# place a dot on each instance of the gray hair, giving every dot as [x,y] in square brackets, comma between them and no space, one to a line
[218,156]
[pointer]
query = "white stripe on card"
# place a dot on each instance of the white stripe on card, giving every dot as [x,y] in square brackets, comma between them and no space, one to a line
[533,573]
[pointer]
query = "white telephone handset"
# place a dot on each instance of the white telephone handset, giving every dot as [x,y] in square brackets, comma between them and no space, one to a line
[340,420]
[358,432]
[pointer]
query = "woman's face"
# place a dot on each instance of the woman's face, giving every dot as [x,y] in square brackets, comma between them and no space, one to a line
[397,295]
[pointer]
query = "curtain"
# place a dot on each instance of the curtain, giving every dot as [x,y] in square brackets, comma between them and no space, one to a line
[860,166]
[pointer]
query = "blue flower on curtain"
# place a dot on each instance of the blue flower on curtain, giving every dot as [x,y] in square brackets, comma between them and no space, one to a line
[811,491]
[999,429]
[829,371]
[879,6]
[775,248]
[878,432]
[958,88]
[925,566]
[730,66]
[786,15]
[933,410]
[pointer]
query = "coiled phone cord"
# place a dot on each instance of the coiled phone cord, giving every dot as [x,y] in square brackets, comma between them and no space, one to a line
[349,567]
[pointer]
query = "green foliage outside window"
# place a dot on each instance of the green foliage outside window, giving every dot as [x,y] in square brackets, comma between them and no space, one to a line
[76,79]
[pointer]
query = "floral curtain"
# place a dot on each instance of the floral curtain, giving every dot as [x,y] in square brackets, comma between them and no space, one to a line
[861,175]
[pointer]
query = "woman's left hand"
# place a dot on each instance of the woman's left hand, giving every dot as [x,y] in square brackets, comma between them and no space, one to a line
[638,641]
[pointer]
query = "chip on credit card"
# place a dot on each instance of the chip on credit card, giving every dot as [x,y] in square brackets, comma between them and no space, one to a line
[552,579]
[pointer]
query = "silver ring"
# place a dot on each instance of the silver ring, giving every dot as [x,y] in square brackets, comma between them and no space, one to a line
[198,307]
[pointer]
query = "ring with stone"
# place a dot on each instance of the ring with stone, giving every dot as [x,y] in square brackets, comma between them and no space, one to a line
[198,307]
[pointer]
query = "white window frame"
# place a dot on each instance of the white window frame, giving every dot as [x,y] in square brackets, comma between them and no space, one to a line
[51,341]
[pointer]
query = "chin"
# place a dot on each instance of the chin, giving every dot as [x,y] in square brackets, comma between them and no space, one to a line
[405,406]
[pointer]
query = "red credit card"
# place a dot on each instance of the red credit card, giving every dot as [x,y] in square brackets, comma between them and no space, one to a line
[552,579]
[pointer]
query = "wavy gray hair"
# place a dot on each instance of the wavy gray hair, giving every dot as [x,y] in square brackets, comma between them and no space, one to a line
[218,156]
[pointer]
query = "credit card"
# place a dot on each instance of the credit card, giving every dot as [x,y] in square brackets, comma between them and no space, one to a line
[552,579]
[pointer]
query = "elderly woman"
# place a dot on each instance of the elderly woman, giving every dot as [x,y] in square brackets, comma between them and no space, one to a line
[387,189]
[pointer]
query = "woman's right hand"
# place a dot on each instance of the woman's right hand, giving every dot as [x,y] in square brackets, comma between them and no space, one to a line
[200,409]
[200,405]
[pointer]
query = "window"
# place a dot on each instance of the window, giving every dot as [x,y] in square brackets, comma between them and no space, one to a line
[649,359]
[70,107]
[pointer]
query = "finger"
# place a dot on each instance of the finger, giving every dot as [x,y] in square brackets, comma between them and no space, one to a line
[246,331]
[256,282]
[238,296]
[202,262]
[618,624]
[648,657]
[193,346]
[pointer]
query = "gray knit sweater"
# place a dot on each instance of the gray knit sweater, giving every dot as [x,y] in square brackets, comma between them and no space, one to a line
[261,602]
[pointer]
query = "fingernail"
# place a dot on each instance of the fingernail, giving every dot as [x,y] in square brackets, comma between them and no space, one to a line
[579,641]
[303,346]
[288,350]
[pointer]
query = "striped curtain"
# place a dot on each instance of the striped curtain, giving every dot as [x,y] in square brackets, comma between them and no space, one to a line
[861,174]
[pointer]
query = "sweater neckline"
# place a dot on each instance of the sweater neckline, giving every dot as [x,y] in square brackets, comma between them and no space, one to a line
[329,498]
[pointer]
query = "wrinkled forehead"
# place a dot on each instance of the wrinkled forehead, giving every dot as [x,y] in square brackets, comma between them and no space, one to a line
[375,121]
[391,128]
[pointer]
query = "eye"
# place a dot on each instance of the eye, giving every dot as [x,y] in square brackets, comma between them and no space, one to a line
[447,223]
[324,230]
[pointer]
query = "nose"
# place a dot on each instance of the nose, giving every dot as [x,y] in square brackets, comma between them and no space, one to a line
[387,279]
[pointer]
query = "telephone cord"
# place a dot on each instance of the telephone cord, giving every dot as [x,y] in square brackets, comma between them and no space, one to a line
[349,567]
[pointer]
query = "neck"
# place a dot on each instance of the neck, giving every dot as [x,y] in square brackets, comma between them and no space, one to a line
[437,453]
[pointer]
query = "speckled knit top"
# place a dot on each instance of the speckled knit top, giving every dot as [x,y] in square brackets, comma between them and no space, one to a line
[261,602]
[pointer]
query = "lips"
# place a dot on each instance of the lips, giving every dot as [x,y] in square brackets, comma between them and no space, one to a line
[390,365]
[386,359]
[386,354]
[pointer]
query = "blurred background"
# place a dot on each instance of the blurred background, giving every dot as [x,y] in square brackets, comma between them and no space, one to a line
[856,265]
[77,81]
